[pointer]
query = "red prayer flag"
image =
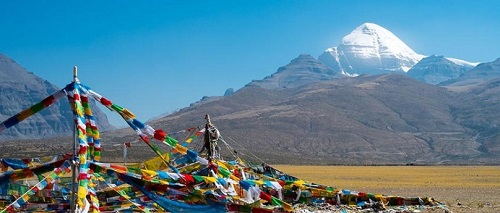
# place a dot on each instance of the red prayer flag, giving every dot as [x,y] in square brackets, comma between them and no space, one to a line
[85,99]
[144,138]
[105,102]
[265,196]
[48,101]
[160,135]
[188,178]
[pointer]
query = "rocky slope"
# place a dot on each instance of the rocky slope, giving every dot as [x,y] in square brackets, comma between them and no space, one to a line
[301,71]
[473,77]
[364,120]
[437,69]
[20,89]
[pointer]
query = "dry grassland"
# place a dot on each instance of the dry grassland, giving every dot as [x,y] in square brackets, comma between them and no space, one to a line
[462,188]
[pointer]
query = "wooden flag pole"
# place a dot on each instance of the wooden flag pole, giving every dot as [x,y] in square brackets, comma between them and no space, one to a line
[73,162]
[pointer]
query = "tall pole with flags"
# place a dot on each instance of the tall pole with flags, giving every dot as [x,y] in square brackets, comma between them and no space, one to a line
[73,162]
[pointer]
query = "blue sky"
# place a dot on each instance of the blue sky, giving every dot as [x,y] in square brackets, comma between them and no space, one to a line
[157,56]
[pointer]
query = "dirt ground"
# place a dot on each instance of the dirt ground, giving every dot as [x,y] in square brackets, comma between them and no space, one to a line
[461,188]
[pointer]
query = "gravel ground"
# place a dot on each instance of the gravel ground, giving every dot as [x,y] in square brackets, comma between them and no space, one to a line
[463,189]
[457,200]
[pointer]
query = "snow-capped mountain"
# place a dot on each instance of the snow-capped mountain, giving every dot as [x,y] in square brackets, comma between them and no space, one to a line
[300,71]
[370,49]
[436,69]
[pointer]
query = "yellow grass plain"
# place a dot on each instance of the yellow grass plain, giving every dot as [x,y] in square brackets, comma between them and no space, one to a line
[461,188]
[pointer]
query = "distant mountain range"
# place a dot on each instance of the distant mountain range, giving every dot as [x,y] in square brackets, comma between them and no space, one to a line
[380,119]
[368,49]
[370,100]
[20,89]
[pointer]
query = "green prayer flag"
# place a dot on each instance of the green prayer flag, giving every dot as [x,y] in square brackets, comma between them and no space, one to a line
[198,178]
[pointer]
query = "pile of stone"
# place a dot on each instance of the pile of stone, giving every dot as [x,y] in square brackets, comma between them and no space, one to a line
[376,207]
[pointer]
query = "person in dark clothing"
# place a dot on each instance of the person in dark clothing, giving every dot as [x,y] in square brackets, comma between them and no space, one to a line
[210,138]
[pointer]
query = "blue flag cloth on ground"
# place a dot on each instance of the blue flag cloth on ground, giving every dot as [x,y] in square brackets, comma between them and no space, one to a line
[15,163]
[171,205]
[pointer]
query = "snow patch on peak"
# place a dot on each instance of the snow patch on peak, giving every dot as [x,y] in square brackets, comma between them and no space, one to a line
[463,63]
[370,49]
[369,25]
[331,49]
[371,40]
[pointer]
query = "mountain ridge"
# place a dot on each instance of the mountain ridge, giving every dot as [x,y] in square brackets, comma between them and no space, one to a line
[20,89]
[302,70]
[437,69]
[372,49]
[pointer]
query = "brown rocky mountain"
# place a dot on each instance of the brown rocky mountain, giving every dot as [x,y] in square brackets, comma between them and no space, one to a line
[477,75]
[478,112]
[20,89]
[381,119]
[301,71]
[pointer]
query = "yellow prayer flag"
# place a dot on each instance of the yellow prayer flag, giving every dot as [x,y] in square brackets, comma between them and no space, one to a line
[181,149]
[79,111]
[127,113]
[234,178]
[259,182]
[88,111]
[209,179]
[148,173]
[288,207]
[24,114]
[299,182]
[221,164]
[82,193]
[156,163]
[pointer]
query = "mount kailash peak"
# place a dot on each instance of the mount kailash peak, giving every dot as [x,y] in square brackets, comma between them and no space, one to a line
[372,49]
